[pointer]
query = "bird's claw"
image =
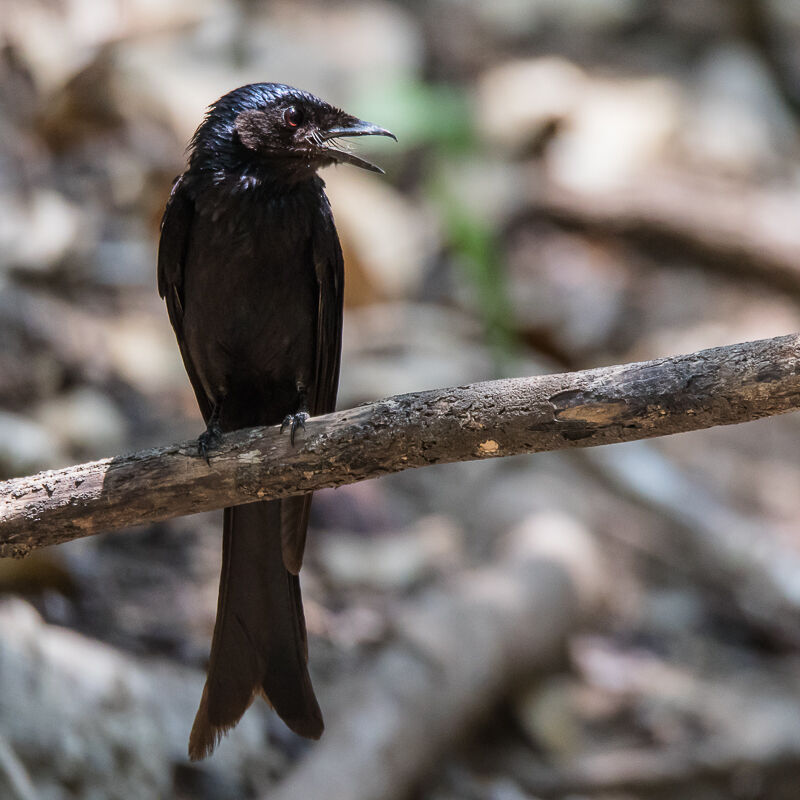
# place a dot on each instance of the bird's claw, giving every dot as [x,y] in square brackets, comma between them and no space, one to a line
[293,422]
[208,440]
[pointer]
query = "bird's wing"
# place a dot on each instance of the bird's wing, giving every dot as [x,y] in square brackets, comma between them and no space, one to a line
[176,231]
[329,268]
[176,225]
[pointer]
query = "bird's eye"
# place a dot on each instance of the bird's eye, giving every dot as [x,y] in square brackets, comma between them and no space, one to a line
[293,116]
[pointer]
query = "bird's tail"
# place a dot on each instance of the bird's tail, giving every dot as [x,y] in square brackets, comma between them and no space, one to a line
[259,644]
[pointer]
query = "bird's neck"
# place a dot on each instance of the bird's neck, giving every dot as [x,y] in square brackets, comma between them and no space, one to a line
[263,182]
[266,199]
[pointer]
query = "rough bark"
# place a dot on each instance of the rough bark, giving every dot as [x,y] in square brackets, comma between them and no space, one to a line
[721,386]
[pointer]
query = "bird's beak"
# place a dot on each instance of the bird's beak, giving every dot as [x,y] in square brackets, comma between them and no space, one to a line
[356,127]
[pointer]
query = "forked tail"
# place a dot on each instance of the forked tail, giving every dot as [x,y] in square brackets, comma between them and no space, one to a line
[259,643]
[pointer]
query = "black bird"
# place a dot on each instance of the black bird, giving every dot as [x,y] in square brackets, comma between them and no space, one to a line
[251,269]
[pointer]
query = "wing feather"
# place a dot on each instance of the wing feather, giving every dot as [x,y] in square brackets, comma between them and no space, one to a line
[329,268]
[176,232]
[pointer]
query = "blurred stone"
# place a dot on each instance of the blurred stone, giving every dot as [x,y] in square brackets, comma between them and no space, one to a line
[607,665]
[85,106]
[59,39]
[394,348]
[250,43]
[689,310]
[598,15]
[565,539]
[569,294]
[107,725]
[516,101]
[85,420]
[352,627]
[389,241]
[37,233]
[143,351]
[125,261]
[511,17]
[518,18]
[753,466]
[127,176]
[53,334]
[26,446]
[40,572]
[28,368]
[107,122]
[15,782]
[616,130]
[175,82]
[506,789]
[488,190]
[672,611]
[673,700]
[548,715]
[391,560]
[736,122]
[606,130]
[785,13]
[345,44]
[692,19]
[367,507]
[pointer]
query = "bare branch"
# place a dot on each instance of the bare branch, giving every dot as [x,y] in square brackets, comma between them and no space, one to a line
[621,403]
[745,232]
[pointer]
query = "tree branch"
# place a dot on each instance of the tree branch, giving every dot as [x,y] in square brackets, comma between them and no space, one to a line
[621,403]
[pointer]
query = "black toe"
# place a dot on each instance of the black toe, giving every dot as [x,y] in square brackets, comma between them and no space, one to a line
[293,422]
[208,440]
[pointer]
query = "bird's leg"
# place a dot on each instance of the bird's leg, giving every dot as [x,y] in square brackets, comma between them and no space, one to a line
[294,421]
[212,435]
[298,419]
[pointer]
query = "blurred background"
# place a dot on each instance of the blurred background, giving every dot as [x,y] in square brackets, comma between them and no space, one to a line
[577,183]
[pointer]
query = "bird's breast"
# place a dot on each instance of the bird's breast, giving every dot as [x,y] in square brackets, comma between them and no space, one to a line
[251,294]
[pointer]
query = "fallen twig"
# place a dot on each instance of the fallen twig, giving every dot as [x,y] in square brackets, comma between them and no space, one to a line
[737,554]
[741,231]
[459,648]
[657,772]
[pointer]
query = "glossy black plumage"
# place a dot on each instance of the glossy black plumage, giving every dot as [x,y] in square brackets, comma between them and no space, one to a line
[251,270]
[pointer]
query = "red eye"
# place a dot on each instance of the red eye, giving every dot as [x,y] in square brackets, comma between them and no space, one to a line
[293,116]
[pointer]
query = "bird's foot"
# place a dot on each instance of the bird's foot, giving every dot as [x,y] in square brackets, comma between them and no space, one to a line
[293,422]
[208,440]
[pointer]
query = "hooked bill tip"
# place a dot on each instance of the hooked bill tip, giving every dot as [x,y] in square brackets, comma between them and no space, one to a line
[358,128]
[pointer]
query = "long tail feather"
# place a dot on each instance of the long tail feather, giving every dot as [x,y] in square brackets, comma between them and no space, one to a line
[259,643]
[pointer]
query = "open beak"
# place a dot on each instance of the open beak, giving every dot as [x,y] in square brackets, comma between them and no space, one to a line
[355,128]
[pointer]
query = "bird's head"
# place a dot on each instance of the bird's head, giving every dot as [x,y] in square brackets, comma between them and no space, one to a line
[280,128]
